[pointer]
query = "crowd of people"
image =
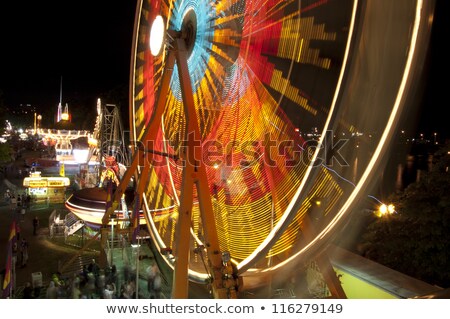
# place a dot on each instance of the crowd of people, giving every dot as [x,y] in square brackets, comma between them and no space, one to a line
[94,282]
[17,202]
[20,251]
[91,282]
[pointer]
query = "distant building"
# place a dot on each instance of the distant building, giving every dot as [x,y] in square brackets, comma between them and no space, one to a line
[21,115]
[63,115]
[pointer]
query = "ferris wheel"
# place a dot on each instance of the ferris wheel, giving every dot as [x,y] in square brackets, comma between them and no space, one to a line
[242,114]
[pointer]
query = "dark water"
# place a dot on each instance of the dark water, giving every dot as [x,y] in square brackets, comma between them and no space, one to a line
[406,165]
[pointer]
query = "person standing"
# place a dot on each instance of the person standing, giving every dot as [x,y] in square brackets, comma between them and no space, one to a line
[7,196]
[28,291]
[109,291]
[35,225]
[157,285]
[52,292]
[150,278]
[22,213]
[15,249]
[24,200]
[17,231]
[24,252]
[13,203]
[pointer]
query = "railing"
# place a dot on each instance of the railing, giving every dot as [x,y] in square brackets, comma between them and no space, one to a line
[70,230]
[70,219]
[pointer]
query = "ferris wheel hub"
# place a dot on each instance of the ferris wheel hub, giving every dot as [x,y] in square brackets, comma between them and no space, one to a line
[189,30]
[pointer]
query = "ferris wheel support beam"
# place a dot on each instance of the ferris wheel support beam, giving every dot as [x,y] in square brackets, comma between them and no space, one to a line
[194,173]
[139,156]
[323,261]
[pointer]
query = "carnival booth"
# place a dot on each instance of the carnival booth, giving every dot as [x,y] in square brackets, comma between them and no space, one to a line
[52,189]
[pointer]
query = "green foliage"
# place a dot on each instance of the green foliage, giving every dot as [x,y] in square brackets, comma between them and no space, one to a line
[416,240]
[2,113]
[5,153]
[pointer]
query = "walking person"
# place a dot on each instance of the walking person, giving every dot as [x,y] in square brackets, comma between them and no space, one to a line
[75,291]
[13,203]
[90,286]
[157,285]
[24,252]
[24,200]
[17,231]
[52,292]
[22,213]
[35,225]
[7,196]
[28,291]
[126,271]
[109,292]
[150,278]
[14,254]
[100,282]
[27,201]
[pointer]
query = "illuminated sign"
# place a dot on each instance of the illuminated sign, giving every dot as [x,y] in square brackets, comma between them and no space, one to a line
[44,182]
[55,183]
[38,183]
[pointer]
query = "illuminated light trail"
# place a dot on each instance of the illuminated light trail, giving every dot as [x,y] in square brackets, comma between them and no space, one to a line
[259,69]
[381,146]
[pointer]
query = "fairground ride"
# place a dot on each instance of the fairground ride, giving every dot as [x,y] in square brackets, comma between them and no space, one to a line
[108,147]
[223,94]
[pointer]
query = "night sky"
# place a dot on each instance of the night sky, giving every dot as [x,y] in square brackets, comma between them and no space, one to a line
[435,98]
[88,43]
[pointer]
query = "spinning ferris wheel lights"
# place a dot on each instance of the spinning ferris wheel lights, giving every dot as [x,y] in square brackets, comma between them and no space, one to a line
[257,70]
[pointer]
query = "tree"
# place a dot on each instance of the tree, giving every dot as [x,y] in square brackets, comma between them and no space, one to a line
[416,240]
[2,112]
[5,155]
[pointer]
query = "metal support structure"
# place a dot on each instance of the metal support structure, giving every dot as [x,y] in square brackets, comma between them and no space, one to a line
[111,261]
[138,248]
[194,174]
[140,154]
[323,262]
[103,258]
[102,263]
[112,140]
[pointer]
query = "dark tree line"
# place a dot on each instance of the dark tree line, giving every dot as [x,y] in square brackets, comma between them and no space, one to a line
[416,240]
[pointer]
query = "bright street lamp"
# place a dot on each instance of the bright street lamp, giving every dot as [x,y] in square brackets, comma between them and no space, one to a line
[385,210]
[112,217]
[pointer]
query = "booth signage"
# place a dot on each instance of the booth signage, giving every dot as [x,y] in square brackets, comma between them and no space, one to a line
[38,184]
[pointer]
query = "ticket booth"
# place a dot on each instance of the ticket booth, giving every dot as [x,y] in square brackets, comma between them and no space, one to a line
[41,188]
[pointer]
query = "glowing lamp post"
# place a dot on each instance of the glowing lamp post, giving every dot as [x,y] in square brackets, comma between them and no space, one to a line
[384,210]
[137,247]
[113,217]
